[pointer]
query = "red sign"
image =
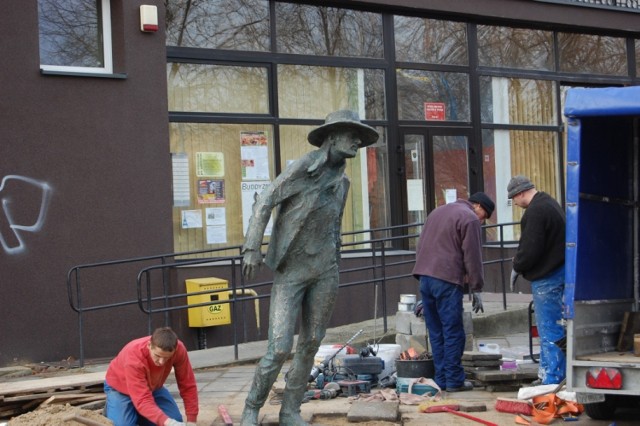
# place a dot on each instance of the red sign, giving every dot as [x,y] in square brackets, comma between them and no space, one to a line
[434,111]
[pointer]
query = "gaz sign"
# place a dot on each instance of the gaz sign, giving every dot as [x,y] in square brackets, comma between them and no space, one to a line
[206,292]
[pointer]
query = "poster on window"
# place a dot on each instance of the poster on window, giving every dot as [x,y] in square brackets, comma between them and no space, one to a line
[210,164]
[249,191]
[180,169]
[216,221]
[210,191]
[434,111]
[254,156]
[191,219]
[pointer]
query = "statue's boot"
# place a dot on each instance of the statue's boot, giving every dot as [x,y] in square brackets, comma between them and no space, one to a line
[249,416]
[290,409]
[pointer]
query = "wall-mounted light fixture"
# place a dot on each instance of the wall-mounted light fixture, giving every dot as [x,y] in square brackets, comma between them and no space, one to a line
[148,18]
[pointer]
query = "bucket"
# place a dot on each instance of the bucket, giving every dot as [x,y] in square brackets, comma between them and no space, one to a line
[409,299]
[325,351]
[508,364]
[415,368]
[489,348]
[388,353]
[405,307]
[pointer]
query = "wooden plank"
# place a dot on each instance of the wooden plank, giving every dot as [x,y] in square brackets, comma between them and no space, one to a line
[49,393]
[52,383]
[72,400]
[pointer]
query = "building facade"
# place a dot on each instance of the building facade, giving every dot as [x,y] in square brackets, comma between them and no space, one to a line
[123,139]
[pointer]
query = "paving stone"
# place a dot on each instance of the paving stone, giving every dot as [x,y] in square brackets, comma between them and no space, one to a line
[482,363]
[362,411]
[403,322]
[479,356]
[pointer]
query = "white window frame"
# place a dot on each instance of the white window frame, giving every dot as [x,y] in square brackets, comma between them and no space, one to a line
[106,48]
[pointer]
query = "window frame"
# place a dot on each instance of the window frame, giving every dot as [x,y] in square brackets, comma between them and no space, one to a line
[107,49]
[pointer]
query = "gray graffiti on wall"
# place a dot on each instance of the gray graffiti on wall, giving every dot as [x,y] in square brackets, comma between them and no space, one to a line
[17,193]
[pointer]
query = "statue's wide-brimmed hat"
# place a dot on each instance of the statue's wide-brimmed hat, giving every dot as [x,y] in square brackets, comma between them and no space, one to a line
[340,120]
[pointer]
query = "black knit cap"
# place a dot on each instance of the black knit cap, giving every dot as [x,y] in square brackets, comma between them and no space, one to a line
[484,200]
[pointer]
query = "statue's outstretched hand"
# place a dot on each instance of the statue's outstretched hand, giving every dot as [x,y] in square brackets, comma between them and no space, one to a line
[251,262]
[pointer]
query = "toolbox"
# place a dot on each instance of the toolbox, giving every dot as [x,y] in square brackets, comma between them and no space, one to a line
[358,365]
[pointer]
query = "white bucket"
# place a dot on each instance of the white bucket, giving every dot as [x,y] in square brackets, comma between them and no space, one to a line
[405,307]
[326,350]
[388,352]
[408,298]
[490,348]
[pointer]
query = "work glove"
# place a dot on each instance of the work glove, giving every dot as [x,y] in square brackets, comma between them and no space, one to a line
[512,282]
[476,303]
[171,422]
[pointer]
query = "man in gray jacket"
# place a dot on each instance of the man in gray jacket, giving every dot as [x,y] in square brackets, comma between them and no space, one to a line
[448,256]
[304,251]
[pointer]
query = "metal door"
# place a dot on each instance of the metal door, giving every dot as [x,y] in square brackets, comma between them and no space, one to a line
[436,165]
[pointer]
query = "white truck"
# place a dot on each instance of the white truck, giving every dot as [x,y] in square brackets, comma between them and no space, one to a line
[603,247]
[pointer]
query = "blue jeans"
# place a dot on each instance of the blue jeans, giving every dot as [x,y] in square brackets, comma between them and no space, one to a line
[442,309]
[120,410]
[547,301]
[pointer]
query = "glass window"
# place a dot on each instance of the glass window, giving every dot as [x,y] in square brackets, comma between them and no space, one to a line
[515,48]
[217,88]
[218,24]
[430,41]
[216,168]
[592,54]
[508,153]
[75,36]
[430,95]
[328,31]
[517,101]
[367,206]
[314,92]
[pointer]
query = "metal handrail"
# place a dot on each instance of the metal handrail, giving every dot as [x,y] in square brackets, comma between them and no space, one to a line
[389,240]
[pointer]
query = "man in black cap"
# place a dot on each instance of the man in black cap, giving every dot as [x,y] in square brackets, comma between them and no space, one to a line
[304,251]
[448,256]
[540,259]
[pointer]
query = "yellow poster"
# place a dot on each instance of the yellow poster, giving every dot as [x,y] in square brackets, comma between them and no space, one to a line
[210,164]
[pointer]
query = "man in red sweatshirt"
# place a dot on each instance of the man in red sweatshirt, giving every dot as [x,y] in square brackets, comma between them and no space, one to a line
[135,378]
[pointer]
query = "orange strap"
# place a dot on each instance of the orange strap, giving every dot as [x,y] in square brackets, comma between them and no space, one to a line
[549,407]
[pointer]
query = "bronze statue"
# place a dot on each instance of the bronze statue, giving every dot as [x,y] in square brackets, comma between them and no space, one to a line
[304,250]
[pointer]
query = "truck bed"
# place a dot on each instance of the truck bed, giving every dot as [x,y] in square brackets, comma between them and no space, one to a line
[615,356]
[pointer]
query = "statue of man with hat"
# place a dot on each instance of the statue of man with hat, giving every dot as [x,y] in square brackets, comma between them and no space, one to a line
[304,250]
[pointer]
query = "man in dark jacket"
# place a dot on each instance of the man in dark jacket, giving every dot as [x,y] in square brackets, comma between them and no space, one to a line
[540,259]
[448,256]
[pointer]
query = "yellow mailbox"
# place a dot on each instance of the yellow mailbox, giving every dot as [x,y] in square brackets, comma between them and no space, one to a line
[205,316]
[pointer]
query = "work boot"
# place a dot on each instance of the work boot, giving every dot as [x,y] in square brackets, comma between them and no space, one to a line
[249,417]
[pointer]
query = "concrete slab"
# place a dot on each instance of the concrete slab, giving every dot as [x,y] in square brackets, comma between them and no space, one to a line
[363,411]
